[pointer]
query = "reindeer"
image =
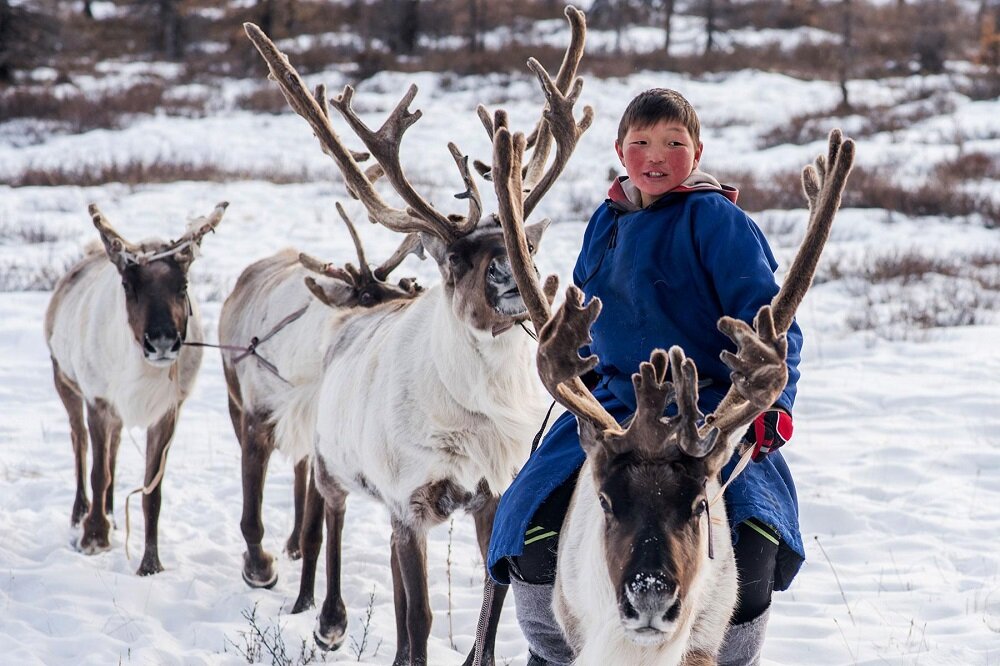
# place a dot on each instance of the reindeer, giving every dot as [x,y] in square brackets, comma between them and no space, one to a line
[428,404]
[641,577]
[115,328]
[272,409]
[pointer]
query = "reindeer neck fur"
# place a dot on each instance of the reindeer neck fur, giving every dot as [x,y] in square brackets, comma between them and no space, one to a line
[428,399]
[94,346]
[491,375]
[586,605]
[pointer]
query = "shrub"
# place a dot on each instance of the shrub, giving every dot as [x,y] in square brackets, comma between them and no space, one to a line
[137,172]
[78,113]
[907,292]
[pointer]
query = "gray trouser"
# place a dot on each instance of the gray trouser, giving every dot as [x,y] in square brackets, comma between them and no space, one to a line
[744,642]
[538,623]
[741,647]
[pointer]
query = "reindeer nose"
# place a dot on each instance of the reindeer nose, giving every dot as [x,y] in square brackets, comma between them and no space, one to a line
[161,344]
[651,595]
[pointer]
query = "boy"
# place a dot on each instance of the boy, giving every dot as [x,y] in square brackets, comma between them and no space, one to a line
[668,253]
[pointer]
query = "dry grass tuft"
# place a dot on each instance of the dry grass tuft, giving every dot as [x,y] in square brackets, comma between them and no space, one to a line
[137,172]
[908,292]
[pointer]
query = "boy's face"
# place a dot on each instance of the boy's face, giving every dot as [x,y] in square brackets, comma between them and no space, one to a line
[658,158]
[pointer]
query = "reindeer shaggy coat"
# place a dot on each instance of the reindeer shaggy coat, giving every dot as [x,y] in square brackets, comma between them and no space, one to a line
[98,362]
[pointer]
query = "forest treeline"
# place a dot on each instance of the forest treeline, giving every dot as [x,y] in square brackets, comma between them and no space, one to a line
[857,38]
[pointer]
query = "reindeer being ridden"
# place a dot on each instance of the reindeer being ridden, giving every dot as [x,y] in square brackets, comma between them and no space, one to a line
[636,581]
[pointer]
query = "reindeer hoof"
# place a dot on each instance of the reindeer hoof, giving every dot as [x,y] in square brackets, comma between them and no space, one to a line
[95,537]
[81,508]
[92,544]
[330,638]
[260,577]
[149,567]
[303,603]
[293,550]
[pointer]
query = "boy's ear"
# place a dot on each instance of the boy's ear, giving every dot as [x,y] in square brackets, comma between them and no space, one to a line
[621,155]
[697,154]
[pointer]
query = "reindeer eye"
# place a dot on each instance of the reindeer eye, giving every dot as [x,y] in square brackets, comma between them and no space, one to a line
[366,298]
[605,503]
[699,509]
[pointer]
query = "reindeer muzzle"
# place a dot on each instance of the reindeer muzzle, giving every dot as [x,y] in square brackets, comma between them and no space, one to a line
[649,608]
[161,349]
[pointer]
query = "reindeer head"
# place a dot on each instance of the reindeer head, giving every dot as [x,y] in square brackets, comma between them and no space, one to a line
[154,281]
[651,477]
[469,249]
[362,287]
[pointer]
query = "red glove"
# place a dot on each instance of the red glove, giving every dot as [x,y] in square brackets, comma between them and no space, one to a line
[768,432]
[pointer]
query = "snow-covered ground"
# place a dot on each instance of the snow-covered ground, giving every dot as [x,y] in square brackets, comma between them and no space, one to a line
[895,451]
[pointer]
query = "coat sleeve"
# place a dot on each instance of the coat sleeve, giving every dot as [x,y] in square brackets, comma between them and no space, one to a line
[740,265]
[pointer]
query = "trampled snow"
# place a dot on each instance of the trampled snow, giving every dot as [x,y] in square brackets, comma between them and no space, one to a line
[895,451]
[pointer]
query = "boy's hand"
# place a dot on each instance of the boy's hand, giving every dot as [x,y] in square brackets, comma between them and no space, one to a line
[768,432]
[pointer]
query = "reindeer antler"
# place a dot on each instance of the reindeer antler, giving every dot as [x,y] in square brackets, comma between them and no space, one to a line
[570,328]
[116,244]
[420,216]
[362,275]
[823,185]
[557,122]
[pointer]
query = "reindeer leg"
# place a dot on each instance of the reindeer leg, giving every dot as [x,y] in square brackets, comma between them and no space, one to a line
[312,539]
[102,421]
[292,546]
[257,443]
[483,518]
[331,627]
[73,403]
[399,604]
[410,548]
[109,502]
[157,439]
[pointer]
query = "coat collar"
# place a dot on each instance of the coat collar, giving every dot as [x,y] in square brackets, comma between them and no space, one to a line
[625,196]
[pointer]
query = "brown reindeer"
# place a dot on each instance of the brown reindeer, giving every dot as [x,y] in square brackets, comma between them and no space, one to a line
[115,328]
[637,545]
[427,405]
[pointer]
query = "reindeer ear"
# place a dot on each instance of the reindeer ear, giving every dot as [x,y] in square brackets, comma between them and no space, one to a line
[185,256]
[333,293]
[590,440]
[434,246]
[534,233]
[720,454]
[119,251]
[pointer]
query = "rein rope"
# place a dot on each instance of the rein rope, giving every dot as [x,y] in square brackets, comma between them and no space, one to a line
[745,458]
[251,349]
[244,352]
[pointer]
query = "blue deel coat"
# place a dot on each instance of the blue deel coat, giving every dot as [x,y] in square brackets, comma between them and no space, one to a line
[665,275]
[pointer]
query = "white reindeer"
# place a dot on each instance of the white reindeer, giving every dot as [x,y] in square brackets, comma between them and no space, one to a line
[272,397]
[429,404]
[652,584]
[115,328]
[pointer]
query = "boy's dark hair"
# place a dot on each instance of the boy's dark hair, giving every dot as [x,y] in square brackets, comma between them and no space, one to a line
[656,104]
